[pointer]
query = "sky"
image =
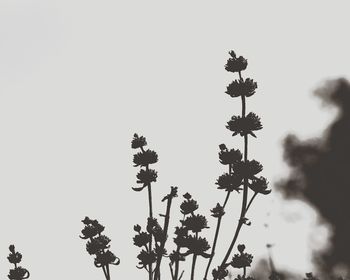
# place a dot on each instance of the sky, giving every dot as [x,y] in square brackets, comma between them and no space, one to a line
[79,78]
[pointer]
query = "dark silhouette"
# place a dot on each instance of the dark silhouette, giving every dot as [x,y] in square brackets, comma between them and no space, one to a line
[242,173]
[98,245]
[18,272]
[188,236]
[241,176]
[152,253]
[319,175]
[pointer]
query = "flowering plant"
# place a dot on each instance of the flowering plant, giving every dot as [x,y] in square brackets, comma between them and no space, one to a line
[18,272]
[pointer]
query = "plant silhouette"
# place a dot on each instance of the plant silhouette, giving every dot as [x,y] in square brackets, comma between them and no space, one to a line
[241,176]
[98,245]
[18,272]
[242,173]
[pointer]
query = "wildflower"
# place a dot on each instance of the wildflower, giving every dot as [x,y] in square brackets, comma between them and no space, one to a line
[14,257]
[97,244]
[18,272]
[229,182]
[106,258]
[197,246]
[229,156]
[259,185]
[146,177]
[138,141]
[249,169]
[244,125]
[241,260]
[188,206]
[242,88]
[142,239]
[145,158]
[217,211]
[195,223]
[235,64]
[146,258]
[220,273]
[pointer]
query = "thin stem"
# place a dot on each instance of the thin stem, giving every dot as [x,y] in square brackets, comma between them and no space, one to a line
[150,269]
[165,233]
[214,246]
[193,266]
[177,263]
[245,192]
[226,199]
[250,202]
[108,273]
[217,231]
[105,272]
[171,271]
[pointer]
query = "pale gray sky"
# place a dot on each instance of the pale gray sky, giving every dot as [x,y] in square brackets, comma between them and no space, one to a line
[78,78]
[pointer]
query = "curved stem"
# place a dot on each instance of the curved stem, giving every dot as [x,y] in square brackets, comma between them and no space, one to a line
[250,202]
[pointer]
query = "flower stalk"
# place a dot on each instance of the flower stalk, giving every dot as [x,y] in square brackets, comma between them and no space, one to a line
[18,272]
[244,169]
[98,246]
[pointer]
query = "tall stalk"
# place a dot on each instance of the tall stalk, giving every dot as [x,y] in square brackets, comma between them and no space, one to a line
[243,125]
[145,177]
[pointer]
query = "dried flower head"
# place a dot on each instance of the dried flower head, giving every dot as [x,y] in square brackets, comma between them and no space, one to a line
[220,273]
[146,258]
[106,258]
[146,177]
[217,211]
[138,142]
[249,169]
[236,64]
[197,246]
[229,156]
[230,182]
[242,88]
[195,223]
[145,158]
[259,185]
[242,259]
[189,205]
[244,125]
